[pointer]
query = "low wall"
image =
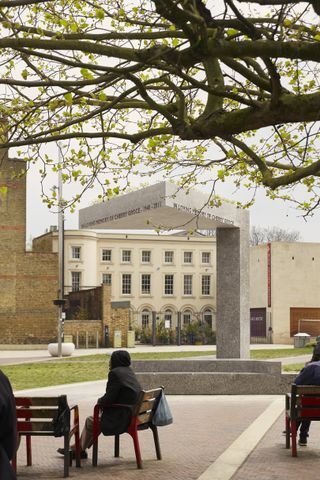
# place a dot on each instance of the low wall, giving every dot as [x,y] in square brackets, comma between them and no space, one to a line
[214,377]
[218,383]
[218,365]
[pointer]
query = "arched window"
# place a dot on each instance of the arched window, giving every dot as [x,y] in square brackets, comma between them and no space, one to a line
[168,318]
[186,317]
[208,316]
[145,318]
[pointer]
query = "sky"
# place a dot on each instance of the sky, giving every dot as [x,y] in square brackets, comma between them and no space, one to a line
[265,212]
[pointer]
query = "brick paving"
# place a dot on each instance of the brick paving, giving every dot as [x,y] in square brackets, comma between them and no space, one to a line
[204,426]
[272,461]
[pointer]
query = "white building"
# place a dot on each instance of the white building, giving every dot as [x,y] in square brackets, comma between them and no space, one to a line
[165,274]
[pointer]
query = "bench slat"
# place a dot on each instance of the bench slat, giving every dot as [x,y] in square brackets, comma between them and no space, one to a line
[35,413]
[307,389]
[39,401]
[35,426]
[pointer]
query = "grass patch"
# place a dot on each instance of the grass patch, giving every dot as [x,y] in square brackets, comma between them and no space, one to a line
[269,354]
[140,356]
[75,369]
[45,374]
[293,367]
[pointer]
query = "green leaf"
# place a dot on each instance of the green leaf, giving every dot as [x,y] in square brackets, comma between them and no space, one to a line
[24,74]
[86,74]
[100,14]
[231,32]
[68,98]
[317,37]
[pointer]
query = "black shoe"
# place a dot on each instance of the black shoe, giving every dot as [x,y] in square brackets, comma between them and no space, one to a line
[83,453]
[303,441]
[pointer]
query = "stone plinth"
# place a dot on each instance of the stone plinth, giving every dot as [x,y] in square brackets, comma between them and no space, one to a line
[214,377]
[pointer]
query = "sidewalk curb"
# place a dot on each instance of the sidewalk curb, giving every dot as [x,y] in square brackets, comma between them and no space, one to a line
[231,459]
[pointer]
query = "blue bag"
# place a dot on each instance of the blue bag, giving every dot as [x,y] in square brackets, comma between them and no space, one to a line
[162,416]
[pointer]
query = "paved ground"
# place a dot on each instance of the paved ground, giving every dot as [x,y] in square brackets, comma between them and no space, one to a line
[212,438]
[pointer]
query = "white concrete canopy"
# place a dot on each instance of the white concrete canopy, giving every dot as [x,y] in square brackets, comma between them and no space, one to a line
[163,207]
[160,205]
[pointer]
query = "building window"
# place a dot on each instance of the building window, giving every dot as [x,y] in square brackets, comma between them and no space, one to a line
[145,284]
[126,256]
[146,256]
[207,317]
[205,257]
[106,255]
[187,284]
[167,319]
[126,284]
[75,281]
[168,284]
[187,257]
[205,285]
[186,317]
[168,256]
[106,278]
[76,253]
[145,318]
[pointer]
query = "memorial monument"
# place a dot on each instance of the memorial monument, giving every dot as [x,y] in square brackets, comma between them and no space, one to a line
[164,206]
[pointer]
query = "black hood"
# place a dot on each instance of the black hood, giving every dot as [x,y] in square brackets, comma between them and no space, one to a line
[120,358]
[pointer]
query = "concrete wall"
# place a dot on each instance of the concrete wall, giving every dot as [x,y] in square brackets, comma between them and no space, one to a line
[295,282]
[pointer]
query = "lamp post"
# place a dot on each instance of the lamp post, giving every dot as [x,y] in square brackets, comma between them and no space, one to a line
[60,300]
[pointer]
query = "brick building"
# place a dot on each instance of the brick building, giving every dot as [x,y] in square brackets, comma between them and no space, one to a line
[28,280]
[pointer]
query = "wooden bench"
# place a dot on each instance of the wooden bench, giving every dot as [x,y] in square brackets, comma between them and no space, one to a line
[48,416]
[303,403]
[141,419]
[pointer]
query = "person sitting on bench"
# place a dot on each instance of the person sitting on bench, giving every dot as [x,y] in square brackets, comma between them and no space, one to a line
[122,387]
[309,375]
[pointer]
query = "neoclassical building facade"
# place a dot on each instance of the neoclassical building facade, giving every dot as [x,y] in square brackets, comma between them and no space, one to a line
[165,274]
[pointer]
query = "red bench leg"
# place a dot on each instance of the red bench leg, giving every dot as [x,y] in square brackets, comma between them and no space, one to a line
[288,428]
[133,432]
[294,438]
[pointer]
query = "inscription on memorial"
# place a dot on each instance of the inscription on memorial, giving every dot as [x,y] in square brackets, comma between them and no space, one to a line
[128,213]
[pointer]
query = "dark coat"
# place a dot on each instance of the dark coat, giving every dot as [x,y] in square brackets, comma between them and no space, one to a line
[8,425]
[309,375]
[122,387]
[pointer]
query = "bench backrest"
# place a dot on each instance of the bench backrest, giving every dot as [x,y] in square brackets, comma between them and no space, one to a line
[146,405]
[43,415]
[305,402]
